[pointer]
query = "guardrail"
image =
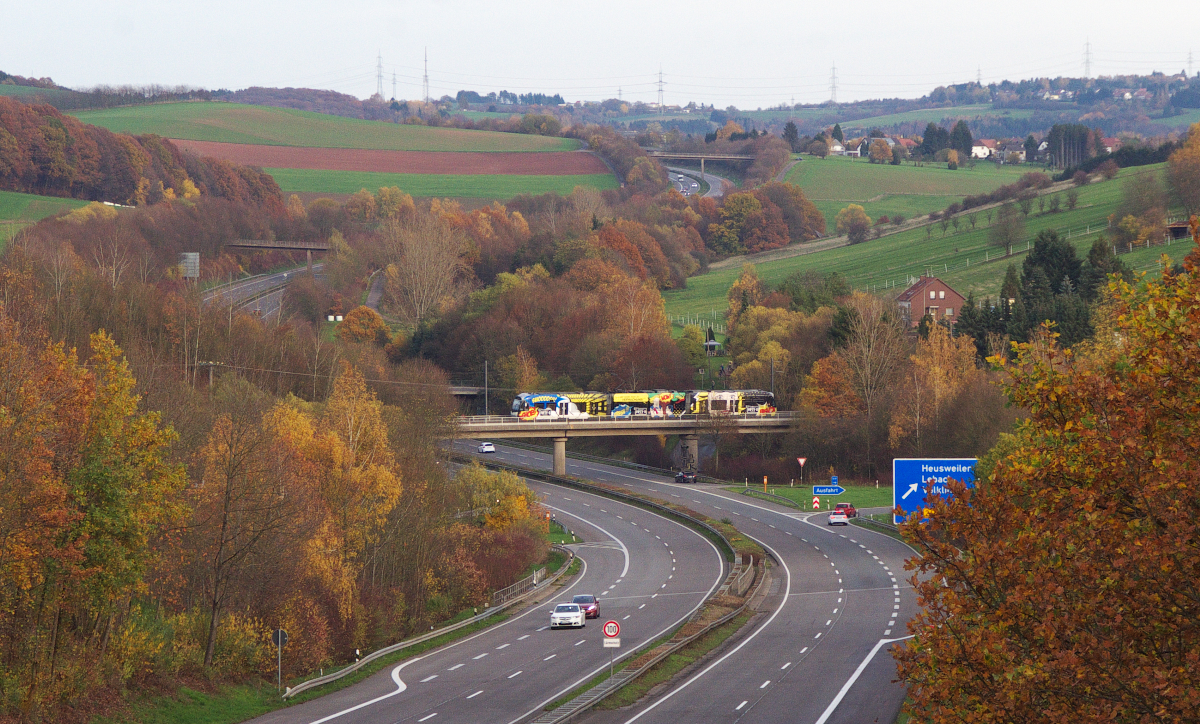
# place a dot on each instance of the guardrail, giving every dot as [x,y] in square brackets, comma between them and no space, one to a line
[610,686]
[519,588]
[771,497]
[374,655]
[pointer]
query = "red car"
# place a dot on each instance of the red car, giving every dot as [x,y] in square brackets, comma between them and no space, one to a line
[589,604]
[848,509]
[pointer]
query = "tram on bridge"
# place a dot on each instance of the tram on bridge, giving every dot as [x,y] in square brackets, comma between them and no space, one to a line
[641,404]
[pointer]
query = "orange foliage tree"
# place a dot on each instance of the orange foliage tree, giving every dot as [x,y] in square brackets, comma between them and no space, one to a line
[1063,587]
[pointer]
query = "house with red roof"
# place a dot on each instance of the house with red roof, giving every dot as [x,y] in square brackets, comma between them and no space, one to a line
[932,296]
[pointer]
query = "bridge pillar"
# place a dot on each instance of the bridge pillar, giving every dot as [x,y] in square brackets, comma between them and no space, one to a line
[691,452]
[701,167]
[309,252]
[560,456]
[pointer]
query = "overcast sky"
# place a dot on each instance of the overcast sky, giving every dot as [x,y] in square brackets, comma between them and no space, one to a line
[750,54]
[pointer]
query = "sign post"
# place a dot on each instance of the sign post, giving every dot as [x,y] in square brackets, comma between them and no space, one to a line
[612,630]
[764,483]
[801,461]
[915,478]
[279,638]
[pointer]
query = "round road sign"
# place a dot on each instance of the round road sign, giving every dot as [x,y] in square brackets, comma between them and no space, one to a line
[612,629]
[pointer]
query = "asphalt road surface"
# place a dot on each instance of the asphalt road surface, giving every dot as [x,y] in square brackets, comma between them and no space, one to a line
[243,293]
[822,653]
[649,574]
[684,184]
[716,184]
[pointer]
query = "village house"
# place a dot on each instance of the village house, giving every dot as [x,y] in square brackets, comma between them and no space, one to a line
[932,296]
[983,148]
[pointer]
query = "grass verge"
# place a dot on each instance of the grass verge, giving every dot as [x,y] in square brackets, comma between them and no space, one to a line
[861,496]
[237,703]
[673,664]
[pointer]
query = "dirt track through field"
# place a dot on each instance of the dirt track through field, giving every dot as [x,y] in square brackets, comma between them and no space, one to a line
[553,163]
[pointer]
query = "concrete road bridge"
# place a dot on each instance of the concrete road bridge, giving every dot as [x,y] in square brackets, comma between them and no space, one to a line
[263,245]
[688,427]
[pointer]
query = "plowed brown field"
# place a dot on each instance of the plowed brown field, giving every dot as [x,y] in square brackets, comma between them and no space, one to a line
[424,162]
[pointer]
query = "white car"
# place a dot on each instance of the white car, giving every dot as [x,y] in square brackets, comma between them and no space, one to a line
[567,614]
[838,518]
[487,447]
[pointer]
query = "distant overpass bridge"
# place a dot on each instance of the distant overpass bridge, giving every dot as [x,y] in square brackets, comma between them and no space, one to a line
[688,427]
[654,153]
[262,244]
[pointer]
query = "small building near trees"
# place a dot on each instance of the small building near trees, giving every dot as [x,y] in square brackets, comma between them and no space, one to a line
[932,296]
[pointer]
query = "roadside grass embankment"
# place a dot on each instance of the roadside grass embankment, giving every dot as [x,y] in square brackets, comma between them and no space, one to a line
[964,259]
[861,496]
[240,123]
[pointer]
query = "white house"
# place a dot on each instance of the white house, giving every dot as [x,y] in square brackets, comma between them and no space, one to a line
[983,148]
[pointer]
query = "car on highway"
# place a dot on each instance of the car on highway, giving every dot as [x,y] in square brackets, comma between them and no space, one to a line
[837,517]
[848,509]
[487,447]
[685,476]
[567,614]
[589,603]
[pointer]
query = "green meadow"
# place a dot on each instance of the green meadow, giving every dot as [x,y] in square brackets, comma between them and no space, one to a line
[238,123]
[963,259]
[20,210]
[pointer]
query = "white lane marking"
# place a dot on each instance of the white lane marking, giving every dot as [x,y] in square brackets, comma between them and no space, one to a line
[428,679]
[771,525]
[522,638]
[804,649]
[853,541]
[588,504]
[854,677]
[472,696]
[456,667]
[641,606]
[829,622]
[503,646]
[580,641]
[658,537]
[836,572]
[835,610]
[626,617]
[477,658]
[565,498]
[543,628]
[706,594]
[513,676]
[401,687]
[739,706]
[781,668]
[818,635]
[765,684]
[549,657]
[754,519]
[673,495]
[624,550]
[428,717]
[788,532]
[787,590]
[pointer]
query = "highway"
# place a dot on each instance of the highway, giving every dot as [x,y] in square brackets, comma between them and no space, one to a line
[649,572]
[716,184]
[245,294]
[821,655]
[685,185]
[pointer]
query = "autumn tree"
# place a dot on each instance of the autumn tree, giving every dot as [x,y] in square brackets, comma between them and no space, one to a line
[363,325]
[853,223]
[937,370]
[880,151]
[1008,231]
[745,292]
[1183,171]
[874,349]
[1056,589]
[425,264]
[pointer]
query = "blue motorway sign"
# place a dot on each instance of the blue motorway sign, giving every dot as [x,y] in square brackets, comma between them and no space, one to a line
[912,477]
[828,490]
[833,480]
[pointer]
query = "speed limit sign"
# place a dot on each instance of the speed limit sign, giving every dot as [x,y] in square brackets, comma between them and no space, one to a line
[612,629]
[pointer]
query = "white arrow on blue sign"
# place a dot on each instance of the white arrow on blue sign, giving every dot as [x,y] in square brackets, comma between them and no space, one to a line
[828,490]
[913,477]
